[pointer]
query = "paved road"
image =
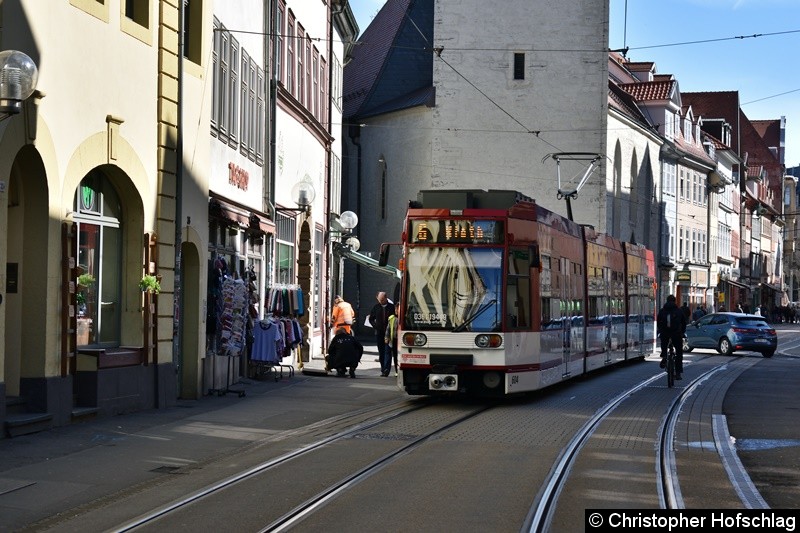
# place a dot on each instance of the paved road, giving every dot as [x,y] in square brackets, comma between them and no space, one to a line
[44,473]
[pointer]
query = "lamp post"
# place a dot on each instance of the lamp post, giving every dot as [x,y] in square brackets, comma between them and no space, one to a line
[342,239]
[18,77]
[303,194]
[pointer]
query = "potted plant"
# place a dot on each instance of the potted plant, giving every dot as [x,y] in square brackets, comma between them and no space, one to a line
[150,284]
[84,280]
[83,283]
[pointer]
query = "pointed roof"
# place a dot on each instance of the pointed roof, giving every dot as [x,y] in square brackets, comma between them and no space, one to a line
[717,105]
[392,67]
[769,130]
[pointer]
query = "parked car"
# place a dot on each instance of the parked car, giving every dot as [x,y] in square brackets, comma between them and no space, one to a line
[731,332]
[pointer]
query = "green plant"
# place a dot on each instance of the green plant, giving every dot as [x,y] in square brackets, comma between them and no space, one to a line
[150,284]
[85,280]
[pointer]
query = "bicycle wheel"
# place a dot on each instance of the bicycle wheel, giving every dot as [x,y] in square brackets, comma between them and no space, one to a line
[670,368]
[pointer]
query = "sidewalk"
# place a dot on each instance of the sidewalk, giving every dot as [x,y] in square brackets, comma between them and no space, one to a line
[50,472]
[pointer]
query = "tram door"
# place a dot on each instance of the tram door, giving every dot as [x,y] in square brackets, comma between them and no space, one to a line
[638,311]
[609,333]
[572,330]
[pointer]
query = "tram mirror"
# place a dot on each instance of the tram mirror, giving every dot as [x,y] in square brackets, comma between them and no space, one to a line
[535,260]
[383,258]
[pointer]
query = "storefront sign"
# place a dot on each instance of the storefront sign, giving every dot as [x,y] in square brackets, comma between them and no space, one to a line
[683,275]
[238,177]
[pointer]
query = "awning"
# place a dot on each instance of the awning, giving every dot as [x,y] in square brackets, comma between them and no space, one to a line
[239,215]
[773,288]
[737,284]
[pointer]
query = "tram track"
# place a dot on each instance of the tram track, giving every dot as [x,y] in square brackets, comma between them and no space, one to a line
[356,454]
[397,409]
[666,477]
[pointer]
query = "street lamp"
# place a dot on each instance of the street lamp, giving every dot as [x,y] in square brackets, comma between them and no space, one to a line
[303,194]
[18,76]
[343,240]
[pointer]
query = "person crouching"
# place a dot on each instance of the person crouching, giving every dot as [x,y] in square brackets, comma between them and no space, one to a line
[344,352]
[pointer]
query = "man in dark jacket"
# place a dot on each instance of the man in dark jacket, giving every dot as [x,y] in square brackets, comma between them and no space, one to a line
[344,352]
[671,324]
[687,313]
[379,318]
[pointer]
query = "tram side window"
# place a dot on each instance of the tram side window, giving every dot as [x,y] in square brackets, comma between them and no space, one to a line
[518,290]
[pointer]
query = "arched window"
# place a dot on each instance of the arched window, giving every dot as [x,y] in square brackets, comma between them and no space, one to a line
[98,215]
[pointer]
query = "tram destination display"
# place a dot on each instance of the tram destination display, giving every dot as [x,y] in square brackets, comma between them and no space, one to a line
[456,231]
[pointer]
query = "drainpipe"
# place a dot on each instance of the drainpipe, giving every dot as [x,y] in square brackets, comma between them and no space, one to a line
[662,216]
[273,107]
[177,328]
[708,246]
[329,175]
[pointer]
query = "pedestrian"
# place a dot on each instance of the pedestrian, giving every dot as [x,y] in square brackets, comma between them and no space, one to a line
[686,312]
[390,338]
[344,353]
[699,313]
[671,325]
[379,318]
[342,315]
[739,308]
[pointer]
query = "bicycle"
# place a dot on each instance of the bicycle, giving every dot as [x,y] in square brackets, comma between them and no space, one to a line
[670,365]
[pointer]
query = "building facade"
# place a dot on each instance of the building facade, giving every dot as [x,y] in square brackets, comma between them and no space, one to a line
[89,172]
[197,150]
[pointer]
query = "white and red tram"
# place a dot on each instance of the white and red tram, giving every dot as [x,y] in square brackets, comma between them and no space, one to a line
[501,296]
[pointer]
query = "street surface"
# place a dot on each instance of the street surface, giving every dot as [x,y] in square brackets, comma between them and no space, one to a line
[484,473]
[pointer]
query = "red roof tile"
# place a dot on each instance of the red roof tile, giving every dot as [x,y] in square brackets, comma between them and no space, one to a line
[650,90]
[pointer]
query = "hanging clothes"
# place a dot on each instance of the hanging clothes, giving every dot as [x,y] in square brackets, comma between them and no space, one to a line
[268,344]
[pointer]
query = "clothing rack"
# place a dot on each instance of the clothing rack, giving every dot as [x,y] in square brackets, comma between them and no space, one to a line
[232,309]
[278,334]
[274,338]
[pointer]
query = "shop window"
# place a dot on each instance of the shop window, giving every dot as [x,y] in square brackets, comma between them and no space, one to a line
[98,216]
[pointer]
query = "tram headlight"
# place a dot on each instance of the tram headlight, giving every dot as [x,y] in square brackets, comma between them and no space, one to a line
[488,341]
[491,380]
[443,382]
[415,339]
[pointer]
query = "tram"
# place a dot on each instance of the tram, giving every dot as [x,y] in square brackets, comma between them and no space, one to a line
[500,296]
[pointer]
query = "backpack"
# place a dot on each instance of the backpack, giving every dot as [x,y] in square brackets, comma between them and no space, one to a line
[669,320]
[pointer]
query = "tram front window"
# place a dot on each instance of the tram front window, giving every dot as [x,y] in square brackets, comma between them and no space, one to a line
[454,288]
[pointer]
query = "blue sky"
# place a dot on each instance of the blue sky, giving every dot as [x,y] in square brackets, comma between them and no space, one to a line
[765,70]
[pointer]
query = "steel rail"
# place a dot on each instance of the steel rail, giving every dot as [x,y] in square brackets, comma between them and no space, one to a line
[260,468]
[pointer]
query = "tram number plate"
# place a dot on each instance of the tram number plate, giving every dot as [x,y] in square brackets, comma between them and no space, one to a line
[514,379]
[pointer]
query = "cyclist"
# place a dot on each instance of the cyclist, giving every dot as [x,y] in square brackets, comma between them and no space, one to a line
[671,324]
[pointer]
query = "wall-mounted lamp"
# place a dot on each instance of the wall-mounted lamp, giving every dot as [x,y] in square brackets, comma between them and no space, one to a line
[303,194]
[18,77]
[341,227]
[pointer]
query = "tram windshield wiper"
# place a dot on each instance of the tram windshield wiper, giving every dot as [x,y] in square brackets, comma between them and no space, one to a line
[476,314]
